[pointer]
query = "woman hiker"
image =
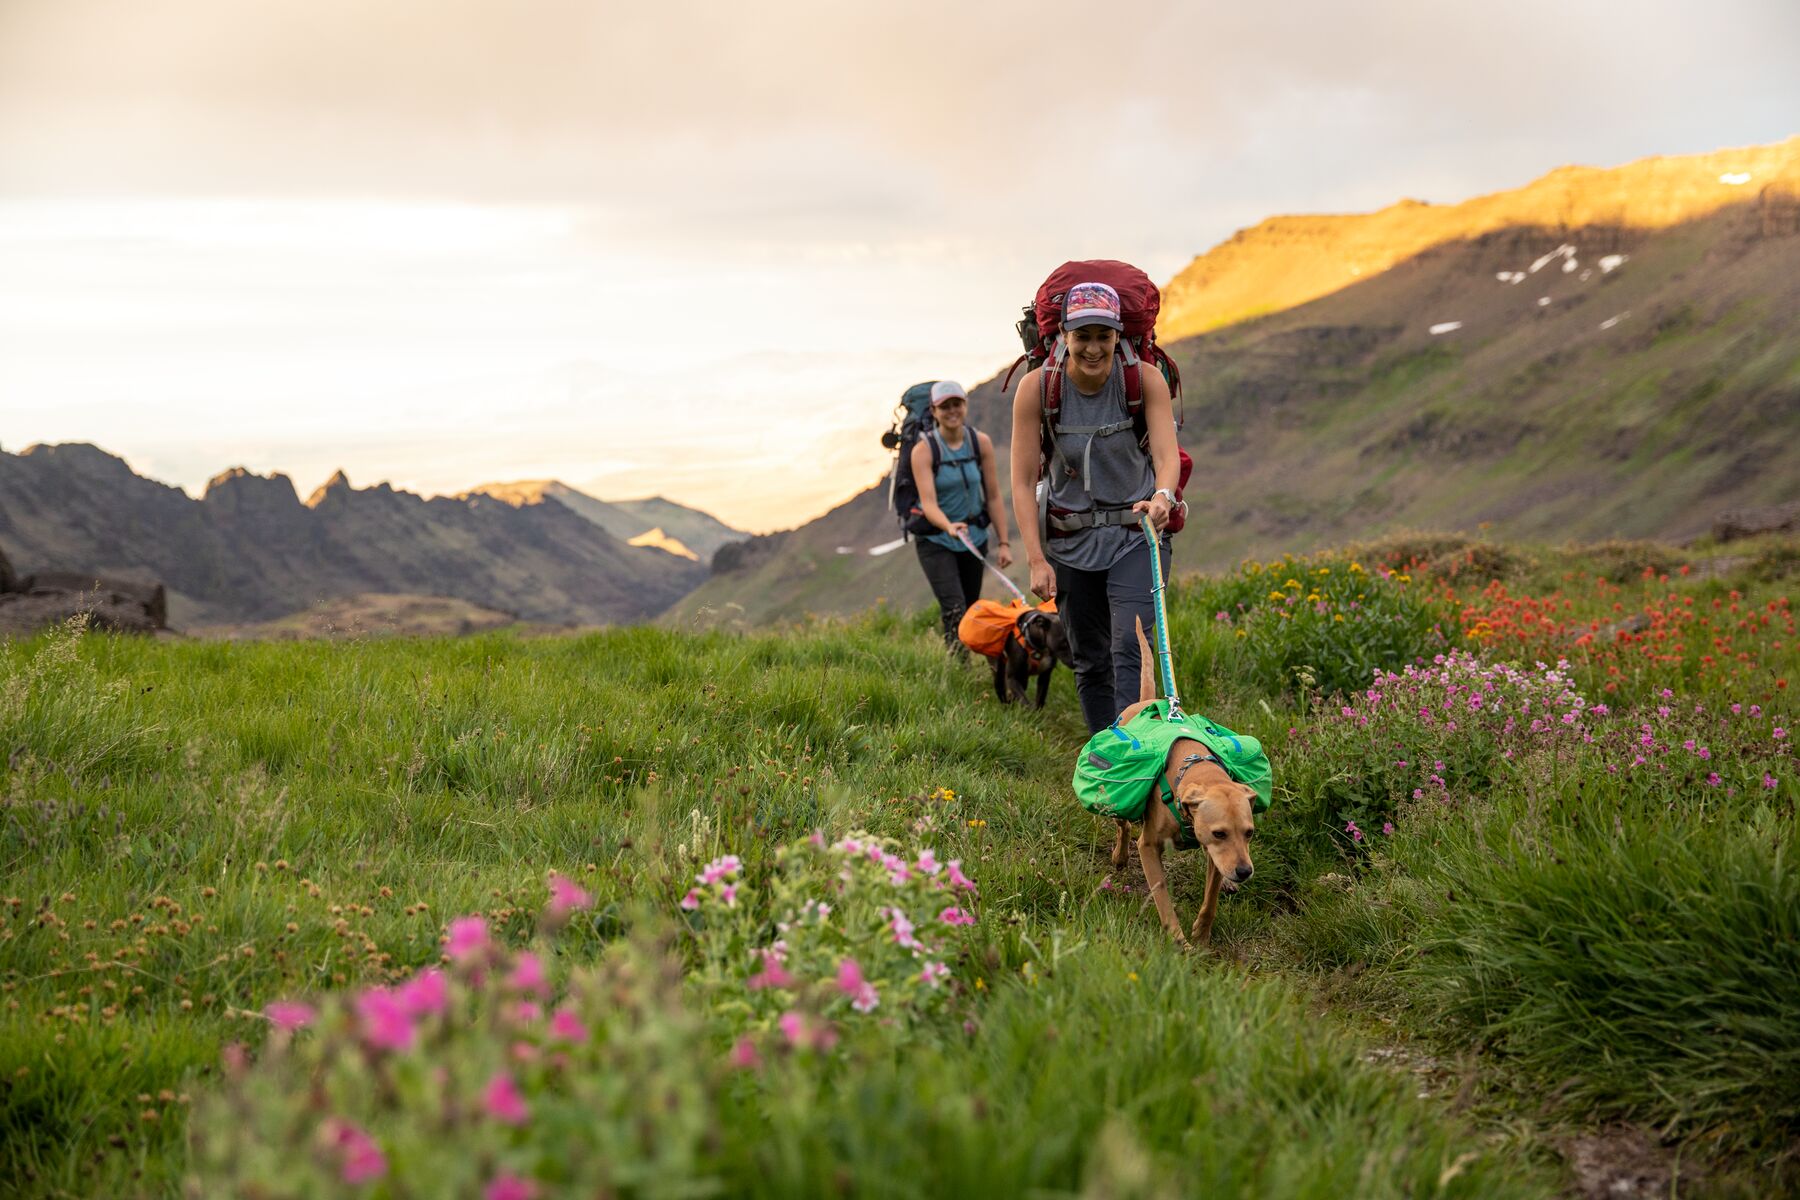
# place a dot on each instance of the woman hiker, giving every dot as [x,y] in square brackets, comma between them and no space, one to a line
[1094,558]
[961,497]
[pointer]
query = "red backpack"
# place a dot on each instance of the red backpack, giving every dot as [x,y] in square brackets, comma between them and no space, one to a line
[1040,329]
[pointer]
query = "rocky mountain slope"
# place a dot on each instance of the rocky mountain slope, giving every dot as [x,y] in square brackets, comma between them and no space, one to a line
[1602,353]
[663,524]
[250,550]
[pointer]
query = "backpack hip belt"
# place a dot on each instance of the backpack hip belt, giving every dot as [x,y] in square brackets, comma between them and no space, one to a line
[1064,523]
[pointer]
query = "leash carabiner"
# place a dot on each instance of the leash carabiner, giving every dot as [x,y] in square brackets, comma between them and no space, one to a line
[1163,655]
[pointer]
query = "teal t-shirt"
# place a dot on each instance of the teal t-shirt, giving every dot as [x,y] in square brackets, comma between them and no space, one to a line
[959,493]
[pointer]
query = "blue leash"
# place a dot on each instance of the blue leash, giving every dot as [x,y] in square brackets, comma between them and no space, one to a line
[1163,656]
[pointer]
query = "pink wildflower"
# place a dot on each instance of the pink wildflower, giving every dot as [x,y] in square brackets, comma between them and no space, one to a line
[719,869]
[773,974]
[566,895]
[503,1101]
[361,1158]
[691,901]
[526,1011]
[851,982]
[934,974]
[468,937]
[1351,829]
[528,974]
[954,869]
[1769,782]
[426,992]
[1713,778]
[728,894]
[290,1014]
[507,1186]
[565,1026]
[803,1034]
[1387,827]
[744,1056]
[386,1022]
[928,863]
[956,916]
[903,929]
[1779,733]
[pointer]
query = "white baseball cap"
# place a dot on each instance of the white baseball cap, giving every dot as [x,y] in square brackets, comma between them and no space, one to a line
[947,389]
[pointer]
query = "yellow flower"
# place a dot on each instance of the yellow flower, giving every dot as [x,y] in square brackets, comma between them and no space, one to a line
[1312,596]
[980,985]
[1243,633]
[1277,596]
[1337,616]
[1404,578]
[1293,583]
[1323,571]
[1356,568]
[1131,975]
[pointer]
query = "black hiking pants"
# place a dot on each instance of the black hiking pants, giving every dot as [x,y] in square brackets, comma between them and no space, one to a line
[1098,611]
[955,579]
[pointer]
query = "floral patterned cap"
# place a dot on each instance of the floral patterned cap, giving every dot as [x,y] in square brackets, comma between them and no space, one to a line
[1091,304]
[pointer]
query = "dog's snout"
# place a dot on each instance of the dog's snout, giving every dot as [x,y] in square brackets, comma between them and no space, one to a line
[1243,872]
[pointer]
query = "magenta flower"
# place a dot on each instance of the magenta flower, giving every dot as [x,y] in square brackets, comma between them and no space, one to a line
[526,1011]
[1779,733]
[360,1158]
[851,982]
[1713,778]
[903,929]
[728,894]
[1350,828]
[468,938]
[691,901]
[507,1186]
[386,1022]
[1387,827]
[565,1026]
[773,974]
[426,992]
[528,974]
[744,1056]
[503,1101]
[803,1034]
[566,895]
[928,863]
[719,869]
[1769,782]
[956,916]
[290,1014]
[934,974]
[954,869]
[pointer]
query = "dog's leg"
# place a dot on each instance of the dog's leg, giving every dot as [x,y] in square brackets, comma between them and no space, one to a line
[1122,848]
[1203,920]
[1043,685]
[1150,854]
[1002,680]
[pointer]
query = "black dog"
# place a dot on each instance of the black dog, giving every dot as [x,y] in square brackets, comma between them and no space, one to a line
[1036,644]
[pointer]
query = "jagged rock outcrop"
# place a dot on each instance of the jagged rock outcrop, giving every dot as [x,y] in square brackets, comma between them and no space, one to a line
[32,602]
[249,550]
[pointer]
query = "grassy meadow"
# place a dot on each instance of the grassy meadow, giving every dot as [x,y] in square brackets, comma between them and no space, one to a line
[1501,907]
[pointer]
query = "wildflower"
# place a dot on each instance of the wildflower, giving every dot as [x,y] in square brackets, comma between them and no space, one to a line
[804,1034]
[567,895]
[744,1056]
[386,1021]
[1221,615]
[361,1158]
[728,894]
[903,930]
[503,1101]
[1769,782]
[773,974]
[934,974]
[1713,778]
[1351,829]
[928,863]
[850,981]
[468,937]
[1779,733]
[507,1186]
[427,992]
[1387,827]
[691,901]
[528,974]
[289,1014]
[953,869]
[719,869]
[956,916]
[565,1026]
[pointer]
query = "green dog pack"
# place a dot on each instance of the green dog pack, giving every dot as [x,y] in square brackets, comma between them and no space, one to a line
[1121,766]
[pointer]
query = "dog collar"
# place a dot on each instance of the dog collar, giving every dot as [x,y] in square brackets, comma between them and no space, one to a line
[1185,839]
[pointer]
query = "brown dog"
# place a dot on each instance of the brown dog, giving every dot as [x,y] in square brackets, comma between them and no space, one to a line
[1217,807]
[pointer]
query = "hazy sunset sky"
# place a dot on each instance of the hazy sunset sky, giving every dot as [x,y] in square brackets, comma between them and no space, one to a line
[699,249]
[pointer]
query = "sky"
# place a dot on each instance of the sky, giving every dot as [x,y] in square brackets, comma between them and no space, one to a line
[698,250]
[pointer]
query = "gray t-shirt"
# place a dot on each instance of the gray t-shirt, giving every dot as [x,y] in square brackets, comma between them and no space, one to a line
[1103,469]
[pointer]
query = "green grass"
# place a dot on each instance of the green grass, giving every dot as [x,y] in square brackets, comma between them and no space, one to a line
[244,822]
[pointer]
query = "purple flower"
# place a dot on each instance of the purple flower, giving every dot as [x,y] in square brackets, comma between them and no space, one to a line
[566,894]
[290,1014]
[387,1023]
[565,1026]
[468,937]
[361,1158]
[528,975]
[426,992]
[1351,829]
[507,1186]
[503,1101]
[1387,827]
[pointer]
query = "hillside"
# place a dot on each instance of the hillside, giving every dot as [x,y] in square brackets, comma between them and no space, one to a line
[664,524]
[249,550]
[1616,353]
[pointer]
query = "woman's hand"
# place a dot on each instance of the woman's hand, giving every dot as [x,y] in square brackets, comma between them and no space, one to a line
[1157,507]
[1043,579]
[957,529]
[1003,555]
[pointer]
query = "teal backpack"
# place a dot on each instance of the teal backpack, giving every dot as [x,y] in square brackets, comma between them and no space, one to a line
[1121,766]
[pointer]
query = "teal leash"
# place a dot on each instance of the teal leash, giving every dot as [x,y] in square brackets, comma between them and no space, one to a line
[1163,655]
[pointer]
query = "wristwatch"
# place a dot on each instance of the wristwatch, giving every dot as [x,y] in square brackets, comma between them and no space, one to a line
[1169,492]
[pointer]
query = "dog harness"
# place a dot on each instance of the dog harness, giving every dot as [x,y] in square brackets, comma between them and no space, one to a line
[1122,766]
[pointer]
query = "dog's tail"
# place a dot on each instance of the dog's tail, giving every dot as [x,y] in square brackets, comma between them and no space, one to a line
[1146,667]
